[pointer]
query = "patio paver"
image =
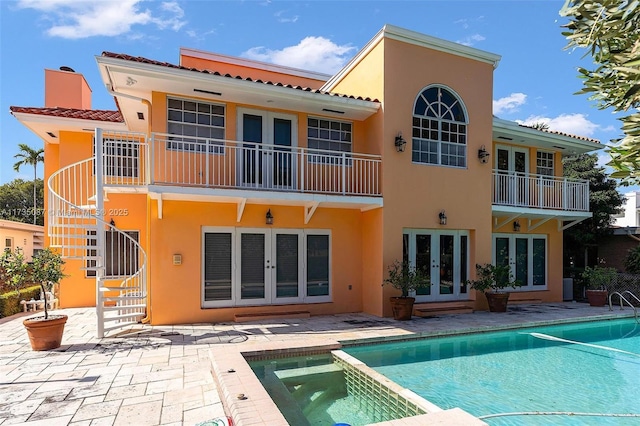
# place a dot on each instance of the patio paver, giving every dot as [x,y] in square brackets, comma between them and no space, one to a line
[161,375]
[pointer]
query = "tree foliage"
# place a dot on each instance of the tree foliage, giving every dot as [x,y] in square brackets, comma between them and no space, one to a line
[610,30]
[604,202]
[31,157]
[16,201]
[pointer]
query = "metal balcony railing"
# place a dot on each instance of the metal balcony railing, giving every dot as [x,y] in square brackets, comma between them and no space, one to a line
[213,163]
[539,191]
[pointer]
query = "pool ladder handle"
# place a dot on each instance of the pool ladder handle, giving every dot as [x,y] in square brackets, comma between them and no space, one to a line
[621,295]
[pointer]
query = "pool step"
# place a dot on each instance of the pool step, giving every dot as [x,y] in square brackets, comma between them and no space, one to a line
[433,309]
[307,371]
[257,316]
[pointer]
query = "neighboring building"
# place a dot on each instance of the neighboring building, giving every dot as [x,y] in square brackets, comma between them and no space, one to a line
[29,238]
[625,234]
[226,188]
[630,215]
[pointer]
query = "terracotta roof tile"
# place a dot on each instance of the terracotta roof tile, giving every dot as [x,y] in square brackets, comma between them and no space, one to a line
[555,132]
[82,114]
[238,77]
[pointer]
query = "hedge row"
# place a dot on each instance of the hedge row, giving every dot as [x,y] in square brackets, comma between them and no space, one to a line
[10,302]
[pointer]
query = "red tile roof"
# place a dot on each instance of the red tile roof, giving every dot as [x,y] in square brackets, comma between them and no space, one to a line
[81,114]
[555,132]
[238,77]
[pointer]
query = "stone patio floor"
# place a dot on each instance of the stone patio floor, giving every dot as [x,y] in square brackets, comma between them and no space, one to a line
[164,375]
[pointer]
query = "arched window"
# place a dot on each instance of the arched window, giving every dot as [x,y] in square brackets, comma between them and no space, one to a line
[439,128]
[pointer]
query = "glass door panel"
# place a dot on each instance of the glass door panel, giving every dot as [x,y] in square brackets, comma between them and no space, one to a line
[446,264]
[317,265]
[217,266]
[464,263]
[282,153]
[251,167]
[286,267]
[423,260]
[522,260]
[539,261]
[253,266]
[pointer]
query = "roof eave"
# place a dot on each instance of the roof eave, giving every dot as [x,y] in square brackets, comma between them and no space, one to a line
[109,64]
[40,124]
[576,145]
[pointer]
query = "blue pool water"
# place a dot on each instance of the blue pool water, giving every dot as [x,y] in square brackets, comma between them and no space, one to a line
[523,370]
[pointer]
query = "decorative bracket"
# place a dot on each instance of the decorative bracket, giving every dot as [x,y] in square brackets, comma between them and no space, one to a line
[241,203]
[309,210]
[509,219]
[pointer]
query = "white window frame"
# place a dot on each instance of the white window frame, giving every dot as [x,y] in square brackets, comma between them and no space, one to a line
[183,142]
[435,296]
[329,140]
[547,160]
[440,120]
[528,286]
[270,284]
[92,241]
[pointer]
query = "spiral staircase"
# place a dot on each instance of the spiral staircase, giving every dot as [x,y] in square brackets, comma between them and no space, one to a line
[77,227]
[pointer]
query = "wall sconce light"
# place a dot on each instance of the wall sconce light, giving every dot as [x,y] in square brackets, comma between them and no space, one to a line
[400,142]
[443,218]
[112,222]
[269,217]
[483,154]
[177,259]
[516,226]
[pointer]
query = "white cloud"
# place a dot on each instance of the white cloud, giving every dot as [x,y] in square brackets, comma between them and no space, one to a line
[471,40]
[509,103]
[74,19]
[283,19]
[575,124]
[312,53]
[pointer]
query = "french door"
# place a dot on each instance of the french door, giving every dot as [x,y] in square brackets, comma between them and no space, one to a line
[266,160]
[269,266]
[258,266]
[526,254]
[512,166]
[444,257]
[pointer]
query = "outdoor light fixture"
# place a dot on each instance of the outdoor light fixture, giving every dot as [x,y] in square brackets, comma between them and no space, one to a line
[269,217]
[483,154]
[112,223]
[443,218]
[400,143]
[516,226]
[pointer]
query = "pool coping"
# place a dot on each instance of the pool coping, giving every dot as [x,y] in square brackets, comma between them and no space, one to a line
[248,403]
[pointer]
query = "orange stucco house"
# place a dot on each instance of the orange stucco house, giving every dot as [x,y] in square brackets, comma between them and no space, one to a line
[224,188]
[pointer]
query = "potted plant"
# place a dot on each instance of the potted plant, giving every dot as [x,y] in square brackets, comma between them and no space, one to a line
[492,280]
[596,280]
[45,332]
[406,278]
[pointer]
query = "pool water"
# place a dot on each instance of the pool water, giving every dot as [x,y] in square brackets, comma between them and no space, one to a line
[310,390]
[585,367]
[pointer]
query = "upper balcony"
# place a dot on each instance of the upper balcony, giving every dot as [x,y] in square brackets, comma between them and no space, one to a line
[539,196]
[179,167]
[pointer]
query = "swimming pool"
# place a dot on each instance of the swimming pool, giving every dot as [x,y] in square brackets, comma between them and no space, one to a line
[584,367]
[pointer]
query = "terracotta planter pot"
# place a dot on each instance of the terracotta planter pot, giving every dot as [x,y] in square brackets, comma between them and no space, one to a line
[497,301]
[597,297]
[402,308]
[45,334]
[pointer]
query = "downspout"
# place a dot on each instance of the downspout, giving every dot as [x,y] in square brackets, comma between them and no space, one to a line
[109,87]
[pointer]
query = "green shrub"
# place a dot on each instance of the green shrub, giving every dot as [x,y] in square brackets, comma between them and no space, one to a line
[10,302]
[598,277]
[632,261]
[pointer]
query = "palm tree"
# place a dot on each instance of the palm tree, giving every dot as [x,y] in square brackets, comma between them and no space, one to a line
[31,157]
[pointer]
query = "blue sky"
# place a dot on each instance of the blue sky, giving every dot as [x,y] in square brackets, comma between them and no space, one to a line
[535,81]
